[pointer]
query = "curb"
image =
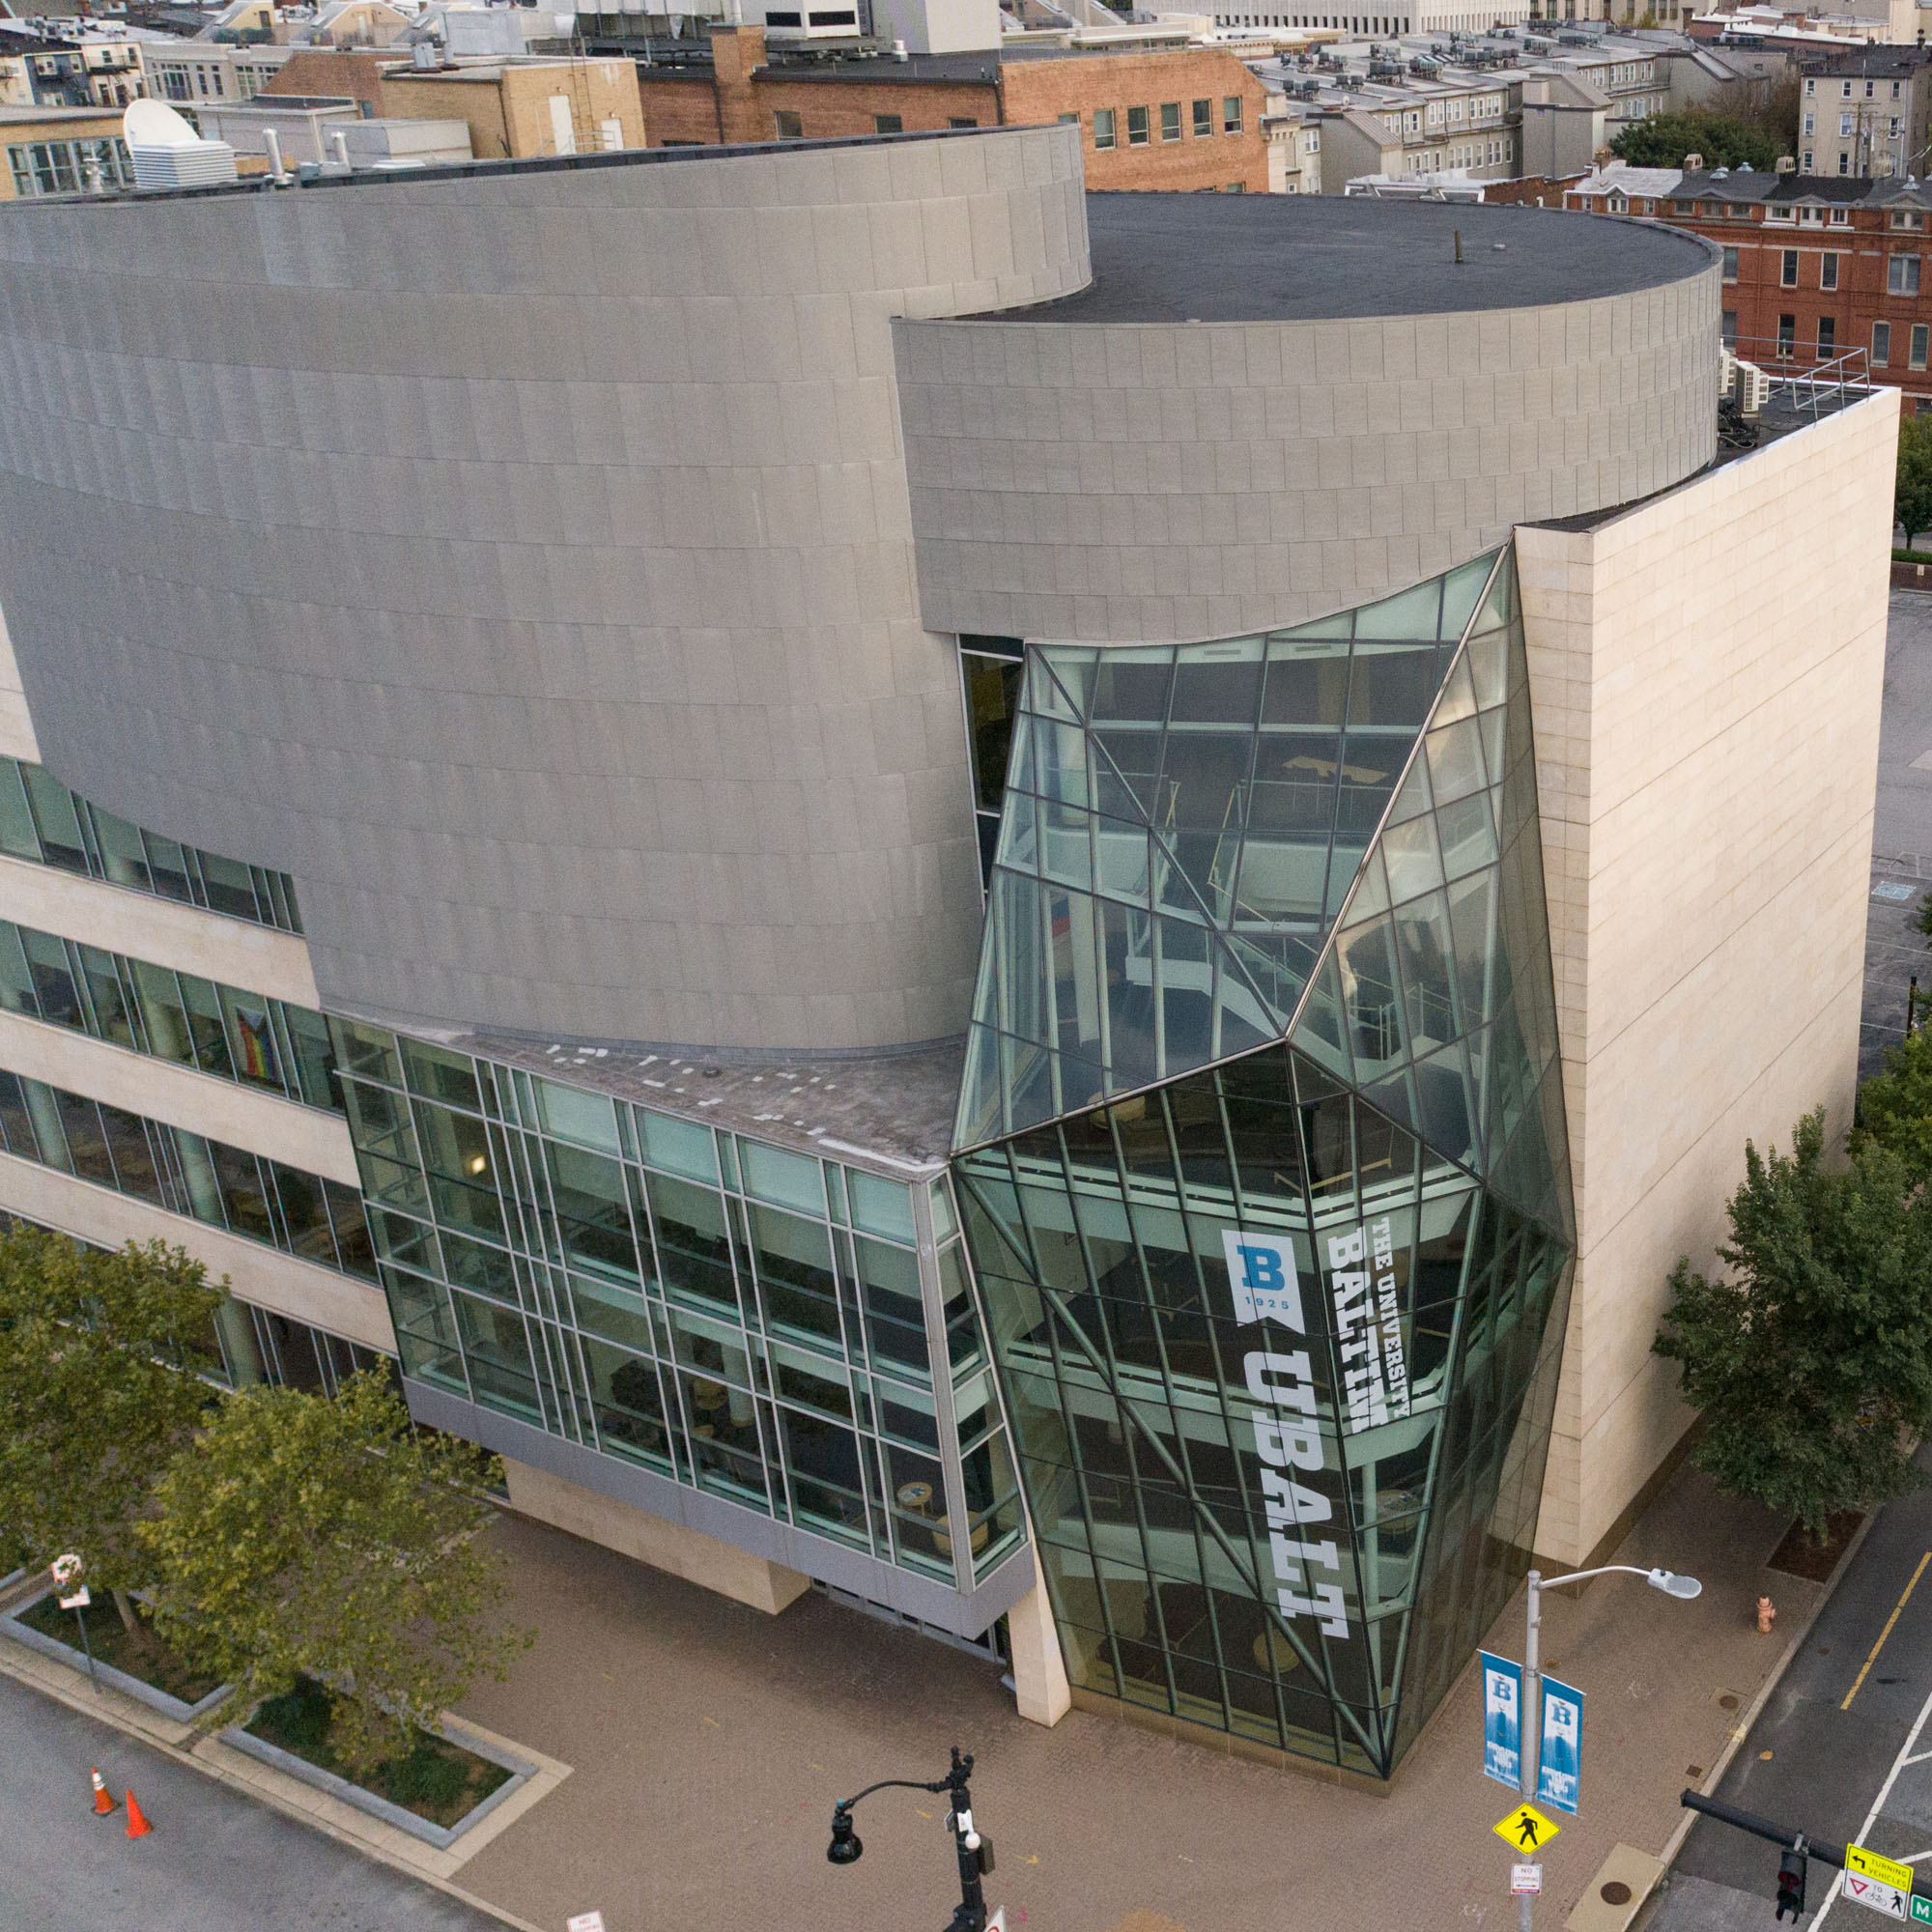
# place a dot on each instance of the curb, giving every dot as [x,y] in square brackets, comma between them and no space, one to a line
[1743,1728]
[222,1776]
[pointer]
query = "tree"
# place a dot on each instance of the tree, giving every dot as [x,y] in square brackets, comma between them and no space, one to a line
[93,1400]
[1725,141]
[306,1537]
[1895,1106]
[1911,496]
[1813,1362]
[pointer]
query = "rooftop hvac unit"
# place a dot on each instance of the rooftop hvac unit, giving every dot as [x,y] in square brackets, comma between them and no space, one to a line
[167,153]
[1753,388]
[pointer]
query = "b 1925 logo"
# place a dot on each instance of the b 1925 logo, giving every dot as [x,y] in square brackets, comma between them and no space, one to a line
[1261,1270]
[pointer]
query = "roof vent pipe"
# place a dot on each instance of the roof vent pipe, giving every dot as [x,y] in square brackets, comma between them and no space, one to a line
[898,50]
[338,139]
[277,173]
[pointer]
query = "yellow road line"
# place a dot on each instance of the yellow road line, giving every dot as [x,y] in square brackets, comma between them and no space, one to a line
[1887,1631]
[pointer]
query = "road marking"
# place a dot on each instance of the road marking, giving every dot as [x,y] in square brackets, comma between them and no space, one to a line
[1921,1758]
[1898,1764]
[1887,1631]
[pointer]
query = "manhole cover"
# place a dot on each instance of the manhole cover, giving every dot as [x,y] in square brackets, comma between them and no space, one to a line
[1615,1893]
[1728,1701]
[1897,891]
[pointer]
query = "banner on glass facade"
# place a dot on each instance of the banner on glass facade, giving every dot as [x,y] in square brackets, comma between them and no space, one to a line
[1562,1758]
[1502,1720]
[1368,1326]
[1261,1270]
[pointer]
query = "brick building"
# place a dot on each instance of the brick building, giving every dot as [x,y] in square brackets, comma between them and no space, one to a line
[1178,118]
[1816,268]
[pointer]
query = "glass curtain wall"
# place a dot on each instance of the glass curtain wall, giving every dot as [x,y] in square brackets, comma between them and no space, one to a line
[178,1017]
[991,672]
[738,1317]
[1280,1333]
[41,821]
[247,1194]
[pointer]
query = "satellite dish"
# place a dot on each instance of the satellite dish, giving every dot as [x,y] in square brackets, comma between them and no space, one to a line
[153,124]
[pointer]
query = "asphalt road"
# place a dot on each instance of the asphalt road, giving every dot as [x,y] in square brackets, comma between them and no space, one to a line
[217,1862]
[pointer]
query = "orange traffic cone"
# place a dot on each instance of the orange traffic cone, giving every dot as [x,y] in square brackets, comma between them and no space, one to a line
[137,1823]
[103,1803]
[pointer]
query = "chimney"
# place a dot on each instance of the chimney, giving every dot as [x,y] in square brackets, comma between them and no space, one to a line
[1693,163]
[1787,164]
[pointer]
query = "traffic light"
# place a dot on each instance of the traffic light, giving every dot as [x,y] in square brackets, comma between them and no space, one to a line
[1791,1884]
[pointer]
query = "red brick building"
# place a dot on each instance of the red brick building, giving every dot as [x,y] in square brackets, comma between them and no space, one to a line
[1181,118]
[1816,268]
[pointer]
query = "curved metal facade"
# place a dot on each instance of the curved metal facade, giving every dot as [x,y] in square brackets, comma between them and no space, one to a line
[520,560]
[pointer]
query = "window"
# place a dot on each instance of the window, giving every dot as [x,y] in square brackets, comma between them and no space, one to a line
[1203,119]
[1827,272]
[1789,276]
[1880,350]
[1235,187]
[1170,120]
[1103,128]
[1137,126]
[1787,333]
[1730,326]
[1844,125]
[1810,128]
[1807,168]
[1730,265]
[1231,114]
[64,167]
[1810,87]
[888,124]
[1828,337]
[1919,335]
[1841,218]
[1069,120]
[1844,163]
[1902,276]
[1845,91]
[788,125]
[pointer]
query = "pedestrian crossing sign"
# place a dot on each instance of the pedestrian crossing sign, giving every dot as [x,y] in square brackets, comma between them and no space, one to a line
[1527,1830]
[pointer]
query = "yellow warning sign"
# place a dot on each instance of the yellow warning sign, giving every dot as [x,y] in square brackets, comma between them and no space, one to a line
[1874,1864]
[1527,1830]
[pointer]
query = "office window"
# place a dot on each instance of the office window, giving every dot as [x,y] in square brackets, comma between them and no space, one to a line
[1881,348]
[1730,265]
[1203,119]
[1137,126]
[1069,120]
[1920,335]
[1902,276]
[1231,114]
[1810,129]
[888,124]
[1827,272]
[1103,128]
[788,125]
[1170,120]
[1787,334]
[1789,276]
[1828,337]
[1731,326]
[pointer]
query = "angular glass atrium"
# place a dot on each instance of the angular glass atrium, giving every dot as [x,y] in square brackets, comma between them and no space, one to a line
[1262,1158]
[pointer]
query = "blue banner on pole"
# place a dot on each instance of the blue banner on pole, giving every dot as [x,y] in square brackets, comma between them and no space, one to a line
[1502,1720]
[1561,1761]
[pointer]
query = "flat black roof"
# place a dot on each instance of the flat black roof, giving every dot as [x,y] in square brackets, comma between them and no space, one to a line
[1289,258]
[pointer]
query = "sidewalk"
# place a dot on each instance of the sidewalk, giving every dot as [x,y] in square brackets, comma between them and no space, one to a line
[710,1742]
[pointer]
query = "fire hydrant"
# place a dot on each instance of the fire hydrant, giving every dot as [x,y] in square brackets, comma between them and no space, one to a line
[1766,1611]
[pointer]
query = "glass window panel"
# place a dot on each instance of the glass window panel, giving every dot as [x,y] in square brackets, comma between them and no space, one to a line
[441,1076]
[1392,689]
[314,1056]
[725,1439]
[168,867]
[135,1167]
[1424,951]
[1132,688]
[572,1115]
[992,702]
[206,1027]
[785,1179]
[1456,761]
[593,1211]
[53,978]
[694,1249]
[17,834]
[230,886]
[496,1352]
[680,1146]
[245,1198]
[16,981]
[53,807]
[880,1206]
[1410,853]
[113,1020]
[1416,612]
[1306,685]
[87,1144]
[354,1251]
[474,1264]
[795,1279]
[303,1213]
[251,1040]
[1218,684]
[455,1145]
[604,1308]
[368,1051]
[894,1310]
[628,1404]
[124,858]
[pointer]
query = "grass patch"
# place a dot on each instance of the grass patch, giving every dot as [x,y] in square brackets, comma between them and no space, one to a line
[436,1780]
[137,1653]
[1912,556]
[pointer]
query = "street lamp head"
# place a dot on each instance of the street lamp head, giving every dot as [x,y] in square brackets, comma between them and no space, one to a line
[1674,1585]
[845,1848]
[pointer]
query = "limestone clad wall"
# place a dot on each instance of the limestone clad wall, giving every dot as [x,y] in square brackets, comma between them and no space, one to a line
[1149,483]
[521,560]
[1705,677]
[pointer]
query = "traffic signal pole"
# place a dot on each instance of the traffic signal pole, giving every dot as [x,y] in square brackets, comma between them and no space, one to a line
[1824,1850]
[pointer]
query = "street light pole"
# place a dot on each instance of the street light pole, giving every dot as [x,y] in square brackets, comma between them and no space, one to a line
[975,1852]
[1530,1721]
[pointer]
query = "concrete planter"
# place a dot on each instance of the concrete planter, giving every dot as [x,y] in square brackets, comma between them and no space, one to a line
[76,1658]
[442,1836]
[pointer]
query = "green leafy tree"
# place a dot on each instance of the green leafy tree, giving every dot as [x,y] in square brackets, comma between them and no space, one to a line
[1911,494]
[1663,140]
[301,1536]
[1812,1362]
[93,1400]
[1895,1106]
